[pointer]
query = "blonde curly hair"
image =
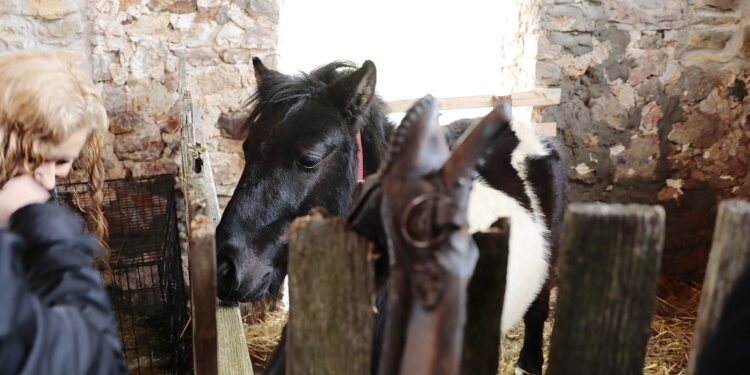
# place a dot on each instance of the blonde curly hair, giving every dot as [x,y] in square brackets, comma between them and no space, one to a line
[44,98]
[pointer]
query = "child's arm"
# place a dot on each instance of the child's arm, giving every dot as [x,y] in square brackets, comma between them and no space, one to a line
[54,311]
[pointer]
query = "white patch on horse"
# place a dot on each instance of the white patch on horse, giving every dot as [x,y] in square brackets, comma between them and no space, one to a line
[529,145]
[285,294]
[528,258]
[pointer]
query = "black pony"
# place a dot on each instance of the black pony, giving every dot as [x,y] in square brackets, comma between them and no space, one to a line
[301,151]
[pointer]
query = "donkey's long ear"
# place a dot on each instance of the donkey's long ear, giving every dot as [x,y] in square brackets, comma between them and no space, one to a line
[260,70]
[354,92]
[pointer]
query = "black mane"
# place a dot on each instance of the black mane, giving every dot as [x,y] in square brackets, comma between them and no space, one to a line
[294,91]
[286,94]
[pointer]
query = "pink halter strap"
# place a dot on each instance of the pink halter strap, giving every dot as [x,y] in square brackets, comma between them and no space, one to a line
[361,158]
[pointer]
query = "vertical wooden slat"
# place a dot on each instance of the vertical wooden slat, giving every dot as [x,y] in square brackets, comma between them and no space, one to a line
[331,284]
[219,345]
[730,252]
[609,266]
[484,307]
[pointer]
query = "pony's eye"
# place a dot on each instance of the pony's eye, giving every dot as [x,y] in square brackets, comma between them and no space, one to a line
[308,161]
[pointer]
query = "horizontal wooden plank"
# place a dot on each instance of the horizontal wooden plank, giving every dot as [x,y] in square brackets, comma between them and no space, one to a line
[536,97]
[541,96]
[548,129]
[233,356]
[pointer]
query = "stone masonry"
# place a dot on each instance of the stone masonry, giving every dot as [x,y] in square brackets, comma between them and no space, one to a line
[134,48]
[44,25]
[654,107]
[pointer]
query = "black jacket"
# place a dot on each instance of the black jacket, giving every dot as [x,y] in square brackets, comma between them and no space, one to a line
[55,316]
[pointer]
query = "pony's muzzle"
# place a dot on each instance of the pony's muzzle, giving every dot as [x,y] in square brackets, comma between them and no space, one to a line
[240,279]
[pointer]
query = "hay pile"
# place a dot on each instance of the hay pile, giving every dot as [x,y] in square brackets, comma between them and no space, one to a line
[668,348]
[673,325]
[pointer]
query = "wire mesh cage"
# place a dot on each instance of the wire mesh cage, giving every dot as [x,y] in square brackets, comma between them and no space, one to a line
[146,288]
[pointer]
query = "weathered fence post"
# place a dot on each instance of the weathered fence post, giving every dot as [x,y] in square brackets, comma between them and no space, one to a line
[730,252]
[609,266]
[484,306]
[219,345]
[331,284]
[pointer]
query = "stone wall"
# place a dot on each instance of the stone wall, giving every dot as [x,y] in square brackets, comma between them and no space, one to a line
[519,50]
[654,109]
[135,47]
[44,25]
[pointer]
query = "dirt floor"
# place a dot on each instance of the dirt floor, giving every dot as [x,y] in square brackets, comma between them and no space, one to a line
[667,353]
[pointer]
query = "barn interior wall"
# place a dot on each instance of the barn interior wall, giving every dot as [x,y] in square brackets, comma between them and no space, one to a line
[519,50]
[45,25]
[655,108]
[133,49]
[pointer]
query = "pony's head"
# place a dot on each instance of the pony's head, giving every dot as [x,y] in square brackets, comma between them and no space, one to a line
[300,152]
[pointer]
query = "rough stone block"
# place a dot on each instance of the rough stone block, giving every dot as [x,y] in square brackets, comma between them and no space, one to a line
[693,86]
[10,6]
[547,73]
[709,39]
[207,14]
[268,9]
[230,35]
[714,20]
[649,14]
[573,17]
[260,38]
[700,130]
[647,65]
[149,168]
[745,49]
[16,33]
[240,18]
[100,64]
[62,32]
[609,110]
[572,42]
[124,123]
[651,40]
[638,161]
[237,56]
[546,50]
[174,6]
[52,9]
[200,56]
[222,15]
[143,144]
[218,79]
[651,114]
[126,4]
[721,4]
[114,99]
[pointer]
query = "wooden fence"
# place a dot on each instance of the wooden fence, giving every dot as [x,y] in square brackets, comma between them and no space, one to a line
[219,345]
[608,271]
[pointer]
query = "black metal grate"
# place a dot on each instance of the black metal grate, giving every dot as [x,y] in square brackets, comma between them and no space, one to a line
[147,290]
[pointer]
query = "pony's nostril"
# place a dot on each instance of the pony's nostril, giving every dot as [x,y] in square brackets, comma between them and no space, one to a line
[226,274]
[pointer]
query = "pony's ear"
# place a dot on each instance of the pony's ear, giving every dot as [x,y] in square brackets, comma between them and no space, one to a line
[260,70]
[354,92]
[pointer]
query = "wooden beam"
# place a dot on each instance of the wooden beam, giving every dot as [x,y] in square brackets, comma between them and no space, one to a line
[548,129]
[219,345]
[730,252]
[331,285]
[536,97]
[484,304]
[609,265]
